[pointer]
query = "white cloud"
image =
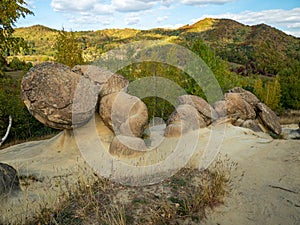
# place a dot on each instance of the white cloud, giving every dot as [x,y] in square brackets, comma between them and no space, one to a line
[72,5]
[287,20]
[132,20]
[205,2]
[133,5]
[161,19]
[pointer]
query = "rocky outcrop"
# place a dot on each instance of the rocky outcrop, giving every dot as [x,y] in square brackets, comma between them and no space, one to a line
[206,111]
[107,81]
[269,118]
[58,97]
[237,107]
[124,114]
[9,180]
[246,95]
[183,120]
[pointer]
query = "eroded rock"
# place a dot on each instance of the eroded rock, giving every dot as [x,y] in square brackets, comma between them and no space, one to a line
[107,81]
[269,118]
[206,110]
[58,97]
[246,95]
[9,180]
[238,108]
[124,114]
[184,119]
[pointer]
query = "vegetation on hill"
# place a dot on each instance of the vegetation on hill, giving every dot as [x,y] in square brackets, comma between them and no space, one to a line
[258,58]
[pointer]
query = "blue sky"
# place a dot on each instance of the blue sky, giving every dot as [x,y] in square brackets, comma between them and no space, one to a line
[146,14]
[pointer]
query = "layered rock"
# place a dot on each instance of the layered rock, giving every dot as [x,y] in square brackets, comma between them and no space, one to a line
[269,118]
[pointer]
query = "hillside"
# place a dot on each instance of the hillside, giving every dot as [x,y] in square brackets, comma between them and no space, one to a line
[258,49]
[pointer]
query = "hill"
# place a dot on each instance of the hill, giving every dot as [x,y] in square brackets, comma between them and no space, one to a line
[258,49]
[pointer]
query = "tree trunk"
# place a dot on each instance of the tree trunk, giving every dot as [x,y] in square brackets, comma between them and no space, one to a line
[7,131]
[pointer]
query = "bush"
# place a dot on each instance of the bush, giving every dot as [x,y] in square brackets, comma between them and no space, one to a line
[17,64]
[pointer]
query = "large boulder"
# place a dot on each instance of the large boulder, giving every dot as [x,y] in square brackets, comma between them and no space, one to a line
[183,120]
[58,97]
[269,118]
[206,110]
[124,114]
[238,108]
[9,180]
[109,82]
[246,95]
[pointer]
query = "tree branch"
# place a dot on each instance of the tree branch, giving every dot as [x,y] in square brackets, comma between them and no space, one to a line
[7,131]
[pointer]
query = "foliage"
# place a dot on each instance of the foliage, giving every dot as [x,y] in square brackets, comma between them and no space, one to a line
[268,92]
[17,64]
[67,49]
[24,126]
[289,79]
[11,11]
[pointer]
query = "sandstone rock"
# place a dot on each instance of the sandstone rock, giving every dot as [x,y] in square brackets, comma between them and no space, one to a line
[237,107]
[109,82]
[220,108]
[253,125]
[9,180]
[174,130]
[124,114]
[206,110]
[184,119]
[269,118]
[125,146]
[58,97]
[246,95]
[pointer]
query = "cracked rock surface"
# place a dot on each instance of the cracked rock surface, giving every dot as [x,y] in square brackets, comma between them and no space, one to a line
[58,97]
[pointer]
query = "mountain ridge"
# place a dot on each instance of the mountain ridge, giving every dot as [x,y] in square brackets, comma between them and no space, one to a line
[258,49]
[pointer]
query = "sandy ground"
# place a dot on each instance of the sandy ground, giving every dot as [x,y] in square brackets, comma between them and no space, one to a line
[266,182]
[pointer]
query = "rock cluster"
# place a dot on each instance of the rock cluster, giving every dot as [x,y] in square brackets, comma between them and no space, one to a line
[64,98]
[241,106]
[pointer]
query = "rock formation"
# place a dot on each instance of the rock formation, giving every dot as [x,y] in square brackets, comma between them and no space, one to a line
[49,90]
[9,180]
[65,98]
[124,114]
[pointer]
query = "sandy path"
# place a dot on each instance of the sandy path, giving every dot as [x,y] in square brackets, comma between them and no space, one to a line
[269,189]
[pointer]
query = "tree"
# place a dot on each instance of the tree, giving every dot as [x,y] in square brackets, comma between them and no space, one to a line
[67,49]
[11,11]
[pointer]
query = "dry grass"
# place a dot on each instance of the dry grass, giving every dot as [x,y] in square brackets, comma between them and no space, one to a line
[290,117]
[183,198]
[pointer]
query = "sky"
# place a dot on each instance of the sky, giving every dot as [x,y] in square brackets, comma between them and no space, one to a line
[80,15]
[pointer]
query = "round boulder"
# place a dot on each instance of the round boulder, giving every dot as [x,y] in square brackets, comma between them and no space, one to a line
[124,114]
[9,180]
[58,97]
[183,120]
[206,110]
